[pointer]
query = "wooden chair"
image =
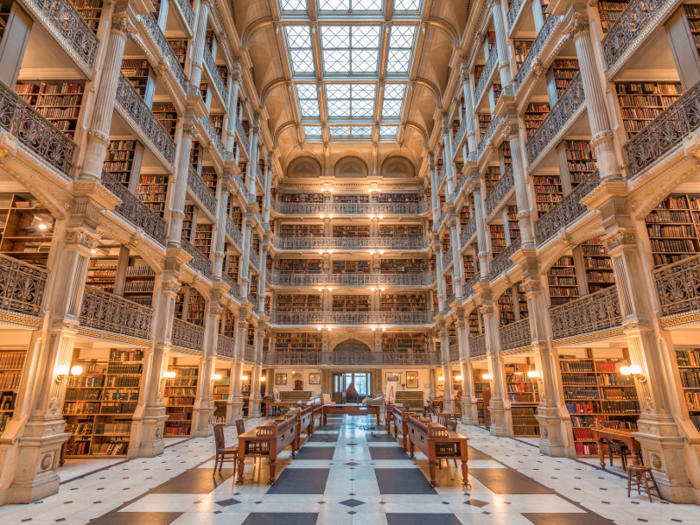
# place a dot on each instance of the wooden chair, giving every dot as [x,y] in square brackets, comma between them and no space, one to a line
[223,453]
[640,476]
[619,449]
[450,425]
[240,427]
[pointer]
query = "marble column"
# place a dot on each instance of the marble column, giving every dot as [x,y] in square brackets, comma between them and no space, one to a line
[268,191]
[235,398]
[482,239]
[226,188]
[447,155]
[264,249]
[469,112]
[448,398]
[501,419]
[502,48]
[522,195]
[469,404]
[255,397]
[233,104]
[197,50]
[433,187]
[440,277]
[453,224]
[179,189]
[204,406]
[254,158]
[244,271]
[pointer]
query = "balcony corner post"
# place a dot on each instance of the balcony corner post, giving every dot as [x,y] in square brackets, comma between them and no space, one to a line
[255,396]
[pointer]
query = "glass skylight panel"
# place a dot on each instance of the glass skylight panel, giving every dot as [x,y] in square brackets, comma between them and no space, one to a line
[350,49]
[393,100]
[406,5]
[350,100]
[400,48]
[340,131]
[362,132]
[386,132]
[362,100]
[338,100]
[299,41]
[335,5]
[293,5]
[308,100]
[351,5]
[313,131]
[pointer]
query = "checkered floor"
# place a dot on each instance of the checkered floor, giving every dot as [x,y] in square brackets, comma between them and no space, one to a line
[350,473]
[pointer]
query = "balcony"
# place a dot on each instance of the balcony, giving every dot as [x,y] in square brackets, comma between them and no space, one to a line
[167,55]
[215,76]
[202,193]
[552,25]
[187,336]
[591,317]
[454,352]
[199,262]
[135,211]
[457,142]
[458,188]
[678,291]
[350,208]
[186,13]
[477,347]
[447,259]
[226,347]
[234,233]
[235,287]
[515,336]
[241,187]
[249,353]
[501,263]
[255,259]
[306,358]
[66,25]
[514,12]
[242,136]
[503,190]
[469,286]
[134,110]
[665,132]
[567,211]
[467,233]
[34,132]
[557,122]
[351,243]
[107,315]
[351,318]
[214,137]
[486,75]
[354,280]
[21,292]
[488,135]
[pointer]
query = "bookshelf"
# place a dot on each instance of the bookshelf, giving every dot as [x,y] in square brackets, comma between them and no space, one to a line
[195,155]
[179,395]
[59,103]
[350,199]
[351,303]
[391,266]
[561,278]
[498,238]
[350,231]
[580,159]
[513,224]
[596,394]
[153,192]
[102,273]
[409,302]
[295,342]
[640,103]
[187,222]
[399,197]
[100,403]
[673,228]
[474,324]
[119,160]
[301,230]
[299,303]
[479,384]
[203,238]
[26,229]
[302,197]
[484,123]
[464,215]
[140,283]
[4,17]
[400,230]
[138,73]
[11,367]
[220,391]
[506,311]
[217,121]
[491,178]
[233,264]
[300,266]
[548,192]
[689,369]
[522,301]
[535,113]
[609,12]
[692,15]
[404,342]
[564,71]
[90,10]
[521,388]
[350,267]
[598,265]
[468,267]
[204,90]
[167,116]
[521,48]
[179,47]
[195,308]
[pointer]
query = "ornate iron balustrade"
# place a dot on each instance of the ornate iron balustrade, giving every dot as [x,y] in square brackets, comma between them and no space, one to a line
[454,352]
[187,335]
[241,187]
[35,132]
[64,21]
[135,211]
[201,191]
[253,299]
[307,358]
[350,208]
[513,12]
[469,287]
[467,233]
[488,135]
[164,47]
[458,137]
[255,259]
[500,192]
[234,233]
[542,38]
[292,358]
[360,279]
[592,313]
[515,335]
[451,298]
[242,135]
[259,172]
[566,211]
[226,346]
[215,76]
[502,261]
[477,346]
[214,136]
[442,175]
[249,353]
[460,184]
[258,218]
[345,243]
[447,258]
[485,75]
[148,127]
[562,114]
[235,288]
[350,318]
[185,9]
[665,132]
[21,287]
[199,262]
[110,313]
[677,286]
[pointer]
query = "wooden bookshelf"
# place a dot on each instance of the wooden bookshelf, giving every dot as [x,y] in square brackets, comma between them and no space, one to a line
[548,192]
[513,224]
[598,264]
[195,156]
[58,102]
[535,114]
[498,238]
[179,47]
[484,123]
[11,368]
[351,267]
[233,265]
[195,308]
[404,342]
[300,266]
[399,197]
[204,90]
[210,178]
[561,278]
[119,160]
[351,303]
[90,10]
[188,222]
[413,302]
[506,310]
[294,342]
[203,238]
[26,229]
[403,231]
[179,396]
[102,273]
[153,192]
[689,369]
[496,92]
[674,229]
[564,71]
[692,15]
[464,215]
[640,103]
[4,17]
[580,159]
[392,266]
[302,197]
[299,303]
[474,329]
[138,73]
[350,231]
[479,384]
[167,116]
[522,301]
[288,231]
[609,13]
[140,283]
[505,154]
[350,199]
[220,392]
[491,178]
[468,267]
[521,48]
[217,121]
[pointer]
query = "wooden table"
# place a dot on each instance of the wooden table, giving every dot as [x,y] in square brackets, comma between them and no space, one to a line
[351,410]
[399,416]
[267,441]
[437,443]
[279,404]
[306,422]
[617,434]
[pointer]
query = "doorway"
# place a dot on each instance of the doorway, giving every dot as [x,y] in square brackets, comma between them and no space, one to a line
[361,386]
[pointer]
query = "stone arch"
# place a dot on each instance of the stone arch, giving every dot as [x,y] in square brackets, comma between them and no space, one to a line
[397,168]
[352,345]
[351,167]
[304,168]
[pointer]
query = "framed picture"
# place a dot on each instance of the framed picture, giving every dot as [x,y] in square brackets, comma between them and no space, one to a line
[280,379]
[393,376]
[411,379]
[296,375]
[314,379]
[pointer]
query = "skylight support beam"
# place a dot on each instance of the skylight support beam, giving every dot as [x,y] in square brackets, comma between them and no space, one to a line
[384,52]
[316,46]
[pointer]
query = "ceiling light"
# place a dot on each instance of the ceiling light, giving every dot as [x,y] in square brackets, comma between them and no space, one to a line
[42,226]
[216,377]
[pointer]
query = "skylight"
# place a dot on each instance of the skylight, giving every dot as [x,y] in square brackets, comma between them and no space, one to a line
[313,131]
[350,100]
[351,132]
[386,132]
[406,5]
[293,5]
[400,47]
[350,49]
[351,5]
[308,100]
[393,100]
[340,131]
[300,49]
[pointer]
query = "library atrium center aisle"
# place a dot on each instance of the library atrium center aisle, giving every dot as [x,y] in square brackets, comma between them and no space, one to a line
[211,208]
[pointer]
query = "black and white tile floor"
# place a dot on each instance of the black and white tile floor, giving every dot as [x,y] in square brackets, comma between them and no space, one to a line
[347,474]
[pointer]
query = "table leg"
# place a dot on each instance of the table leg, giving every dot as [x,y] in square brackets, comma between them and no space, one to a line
[431,465]
[405,439]
[241,465]
[411,447]
[636,459]
[601,452]
[465,474]
[272,479]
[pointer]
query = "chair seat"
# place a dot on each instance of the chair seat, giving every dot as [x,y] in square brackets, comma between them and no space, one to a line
[231,450]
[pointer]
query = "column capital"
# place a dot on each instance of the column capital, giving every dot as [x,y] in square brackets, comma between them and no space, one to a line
[579,26]
[511,131]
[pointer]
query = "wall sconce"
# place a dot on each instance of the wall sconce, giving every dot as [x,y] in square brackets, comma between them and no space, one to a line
[61,373]
[216,377]
[371,217]
[320,289]
[382,289]
[487,377]
[383,329]
[381,252]
[381,217]
[263,379]
[458,378]
[76,370]
[633,370]
[441,378]
[329,328]
[168,374]
[244,378]
[320,252]
[371,253]
[374,328]
[320,328]
[330,252]
[533,374]
[371,289]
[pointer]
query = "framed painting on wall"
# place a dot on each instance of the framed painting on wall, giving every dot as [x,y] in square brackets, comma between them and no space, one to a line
[280,379]
[394,377]
[314,379]
[411,379]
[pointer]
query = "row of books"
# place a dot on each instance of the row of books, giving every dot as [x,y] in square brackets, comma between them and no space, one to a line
[10,380]
[124,369]
[10,360]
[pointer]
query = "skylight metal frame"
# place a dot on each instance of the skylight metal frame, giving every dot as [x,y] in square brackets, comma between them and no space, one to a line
[300,45]
[402,40]
[350,49]
[350,6]
[307,95]
[392,100]
[349,132]
[346,100]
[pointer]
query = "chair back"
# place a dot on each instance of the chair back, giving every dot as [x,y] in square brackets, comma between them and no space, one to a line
[240,427]
[451,425]
[326,399]
[219,439]
[443,417]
